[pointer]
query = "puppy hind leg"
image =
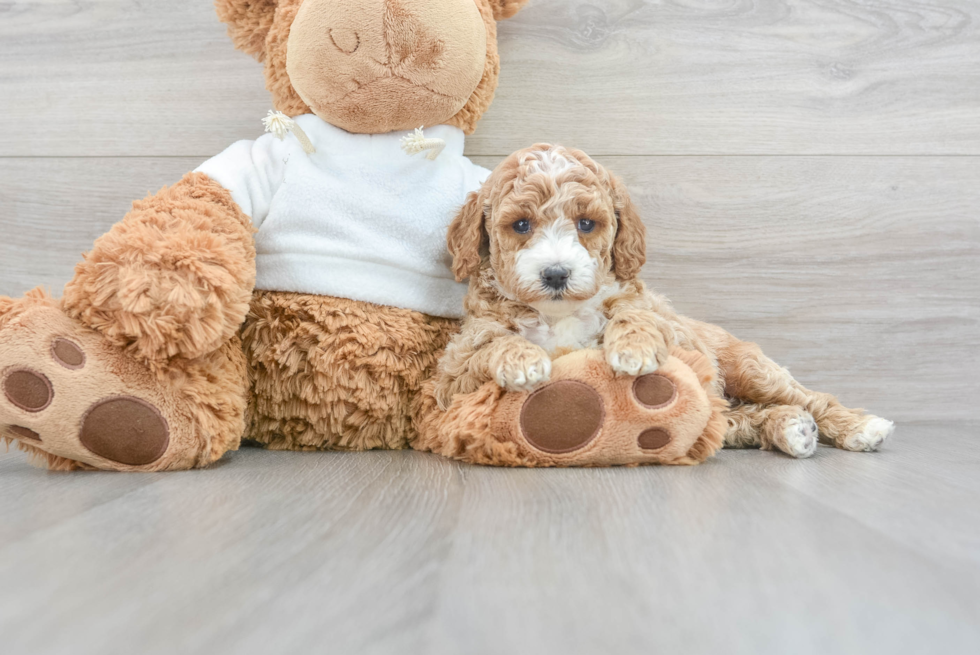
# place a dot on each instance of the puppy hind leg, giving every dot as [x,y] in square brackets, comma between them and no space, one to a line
[787,428]
[751,376]
[744,426]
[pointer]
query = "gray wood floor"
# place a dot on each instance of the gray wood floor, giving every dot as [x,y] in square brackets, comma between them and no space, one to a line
[409,553]
[810,174]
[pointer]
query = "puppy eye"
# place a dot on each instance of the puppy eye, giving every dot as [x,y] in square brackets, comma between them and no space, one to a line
[586,224]
[522,226]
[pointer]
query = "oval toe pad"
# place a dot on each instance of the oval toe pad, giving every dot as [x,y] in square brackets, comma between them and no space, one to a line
[125,430]
[562,417]
[654,391]
[28,390]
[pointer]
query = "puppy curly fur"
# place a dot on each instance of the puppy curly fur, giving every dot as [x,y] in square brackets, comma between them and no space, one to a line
[516,323]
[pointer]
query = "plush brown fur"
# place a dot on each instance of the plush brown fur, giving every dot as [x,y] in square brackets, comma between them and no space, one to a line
[284,96]
[174,278]
[336,373]
[249,22]
[467,117]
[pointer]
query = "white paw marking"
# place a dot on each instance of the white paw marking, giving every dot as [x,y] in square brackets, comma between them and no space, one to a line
[524,376]
[799,438]
[628,363]
[872,435]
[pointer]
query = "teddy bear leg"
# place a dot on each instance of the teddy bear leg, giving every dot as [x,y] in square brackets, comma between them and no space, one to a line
[332,373]
[139,367]
[74,401]
[585,416]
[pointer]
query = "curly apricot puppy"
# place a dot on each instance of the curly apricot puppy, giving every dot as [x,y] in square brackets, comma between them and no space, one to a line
[553,247]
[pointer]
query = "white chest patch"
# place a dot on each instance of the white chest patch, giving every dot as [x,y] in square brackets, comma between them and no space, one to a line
[581,328]
[572,332]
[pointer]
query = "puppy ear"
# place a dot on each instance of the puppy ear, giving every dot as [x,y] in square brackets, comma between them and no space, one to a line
[629,249]
[506,8]
[466,235]
[249,22]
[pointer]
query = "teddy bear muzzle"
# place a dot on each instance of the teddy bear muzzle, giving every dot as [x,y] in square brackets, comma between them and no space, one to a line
[386,65]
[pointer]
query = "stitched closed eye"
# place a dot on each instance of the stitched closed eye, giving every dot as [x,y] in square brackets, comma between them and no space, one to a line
[347,41]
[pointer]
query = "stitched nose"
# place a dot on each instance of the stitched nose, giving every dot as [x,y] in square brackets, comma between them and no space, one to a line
[555,277]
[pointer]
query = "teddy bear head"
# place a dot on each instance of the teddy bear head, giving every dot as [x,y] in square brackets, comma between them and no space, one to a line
[375,66]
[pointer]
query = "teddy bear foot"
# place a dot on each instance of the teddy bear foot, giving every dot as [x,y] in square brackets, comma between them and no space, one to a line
[585,416]
[73,401]
[588,416]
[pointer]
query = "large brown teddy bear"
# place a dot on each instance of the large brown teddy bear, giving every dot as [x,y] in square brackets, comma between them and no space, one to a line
[295,291]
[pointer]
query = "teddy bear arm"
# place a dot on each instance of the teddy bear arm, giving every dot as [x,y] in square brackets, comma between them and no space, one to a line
[174,278]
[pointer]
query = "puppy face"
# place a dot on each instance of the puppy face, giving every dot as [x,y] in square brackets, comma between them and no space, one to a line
[554,226]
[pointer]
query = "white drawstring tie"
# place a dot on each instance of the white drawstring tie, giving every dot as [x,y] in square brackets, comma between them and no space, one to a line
[415,142]
[280,124]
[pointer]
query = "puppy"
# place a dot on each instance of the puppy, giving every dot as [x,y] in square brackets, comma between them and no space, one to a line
[553,247]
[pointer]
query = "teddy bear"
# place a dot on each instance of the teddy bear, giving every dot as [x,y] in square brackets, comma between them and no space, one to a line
[295,292]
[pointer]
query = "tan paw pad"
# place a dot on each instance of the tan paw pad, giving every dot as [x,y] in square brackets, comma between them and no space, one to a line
[654,391]
[28,390]
[562,417]
[125,430]
[653,439]
[68,354]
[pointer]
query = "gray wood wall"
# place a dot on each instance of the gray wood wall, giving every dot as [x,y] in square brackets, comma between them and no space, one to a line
[809,170]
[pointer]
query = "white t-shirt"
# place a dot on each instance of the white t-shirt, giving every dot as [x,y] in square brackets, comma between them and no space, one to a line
[357,219]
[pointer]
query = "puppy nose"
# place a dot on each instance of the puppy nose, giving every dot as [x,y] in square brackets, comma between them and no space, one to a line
[555,277]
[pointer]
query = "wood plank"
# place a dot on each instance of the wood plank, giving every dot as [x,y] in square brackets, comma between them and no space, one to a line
[23,513]
[857,273]
[774,77]
[882,492]
[51,210]
[721,559]
[208,552]
[381,552]
[124,77]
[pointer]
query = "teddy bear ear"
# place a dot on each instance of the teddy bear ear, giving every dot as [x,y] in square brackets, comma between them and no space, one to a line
[248,22]
[506,8]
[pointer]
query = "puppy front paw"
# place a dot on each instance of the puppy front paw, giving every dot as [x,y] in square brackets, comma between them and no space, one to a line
[637,354]
[523,370]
